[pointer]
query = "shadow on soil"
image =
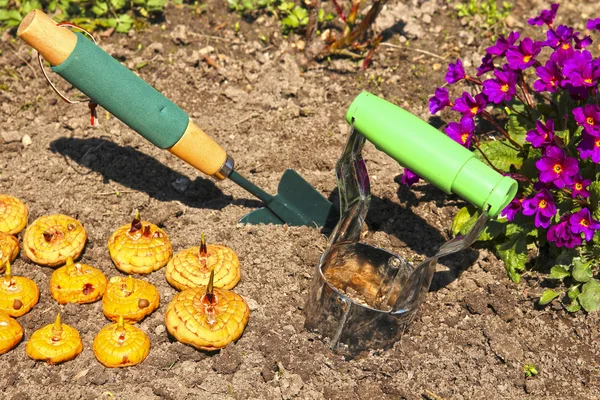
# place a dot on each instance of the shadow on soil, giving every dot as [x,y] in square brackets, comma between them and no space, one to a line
[138,171]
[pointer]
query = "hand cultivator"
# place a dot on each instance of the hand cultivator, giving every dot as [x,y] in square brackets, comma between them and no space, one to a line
[139,105]
[363,297]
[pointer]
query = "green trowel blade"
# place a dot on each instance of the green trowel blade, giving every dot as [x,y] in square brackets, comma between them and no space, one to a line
[297,203]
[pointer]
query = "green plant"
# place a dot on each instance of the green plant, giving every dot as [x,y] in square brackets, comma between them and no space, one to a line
[252,6]
[488,9]
[529,370]
[547,139]
[122,15]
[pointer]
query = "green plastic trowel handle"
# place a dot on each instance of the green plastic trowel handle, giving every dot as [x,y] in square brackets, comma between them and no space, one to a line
[430,154]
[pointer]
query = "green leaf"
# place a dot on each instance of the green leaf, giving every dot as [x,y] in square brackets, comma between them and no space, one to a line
[501,153]
[461,218]
[594,199]
[514,255]
[558,272]
[573,307]
[573,292]
[291,21]
[548,296]
[492,230]
[517,128]
[100,8]
[118,4]
[582,271]
[156,5]
[124,23]
[590,296]
[564,135]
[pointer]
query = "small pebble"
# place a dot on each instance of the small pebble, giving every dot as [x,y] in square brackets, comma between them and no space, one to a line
[26,141]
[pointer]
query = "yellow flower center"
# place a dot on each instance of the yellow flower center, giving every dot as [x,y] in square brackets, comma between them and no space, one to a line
[566,46]
[578,186]
[504,88]
[474,110]
[464,137]
[589,121]
[557,168]
[588,80]
[584,222]
[526,58]
[542,204]
[597,143]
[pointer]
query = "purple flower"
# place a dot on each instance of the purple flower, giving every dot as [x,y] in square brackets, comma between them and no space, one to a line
[560,38]
[557,168]
[590,147]
[579,187]
[502,44]
[561,235]
[542,135]
[461,132]
[545,17]
[542,205]
[469,106]
[456,72]
[511,210]
[550,77]
[409,178]
[580,70]
[523,56]
[582,222]
[439,101]
[487,65]
[503,88]
[589,118]
[582,43]
[593,24]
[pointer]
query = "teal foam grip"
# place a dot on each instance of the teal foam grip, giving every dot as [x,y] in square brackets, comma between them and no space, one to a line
[430,153]
[122,93]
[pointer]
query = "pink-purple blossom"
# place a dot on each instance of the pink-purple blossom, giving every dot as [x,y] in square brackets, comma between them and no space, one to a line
[523,56]
[439,100]
[588,116]
[462,132]
[562,236]
[579,187]
[545,17]
[487,65]
[542,135]
[503,44]
[511,210]
[560,38]
[542,206]
[409,178]
[580,70]
[503,88]
[593,24]
[469,106]
[589,147]
[557,168]
[582,222]
[550,77]
[456,72]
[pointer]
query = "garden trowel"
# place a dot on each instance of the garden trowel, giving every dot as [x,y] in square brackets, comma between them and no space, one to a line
[129,98]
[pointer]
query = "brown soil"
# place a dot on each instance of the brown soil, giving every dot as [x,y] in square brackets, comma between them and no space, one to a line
[476,329]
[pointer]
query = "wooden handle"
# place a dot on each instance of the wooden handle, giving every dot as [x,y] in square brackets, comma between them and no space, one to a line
[54,43]
[138,102]
[199,150]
